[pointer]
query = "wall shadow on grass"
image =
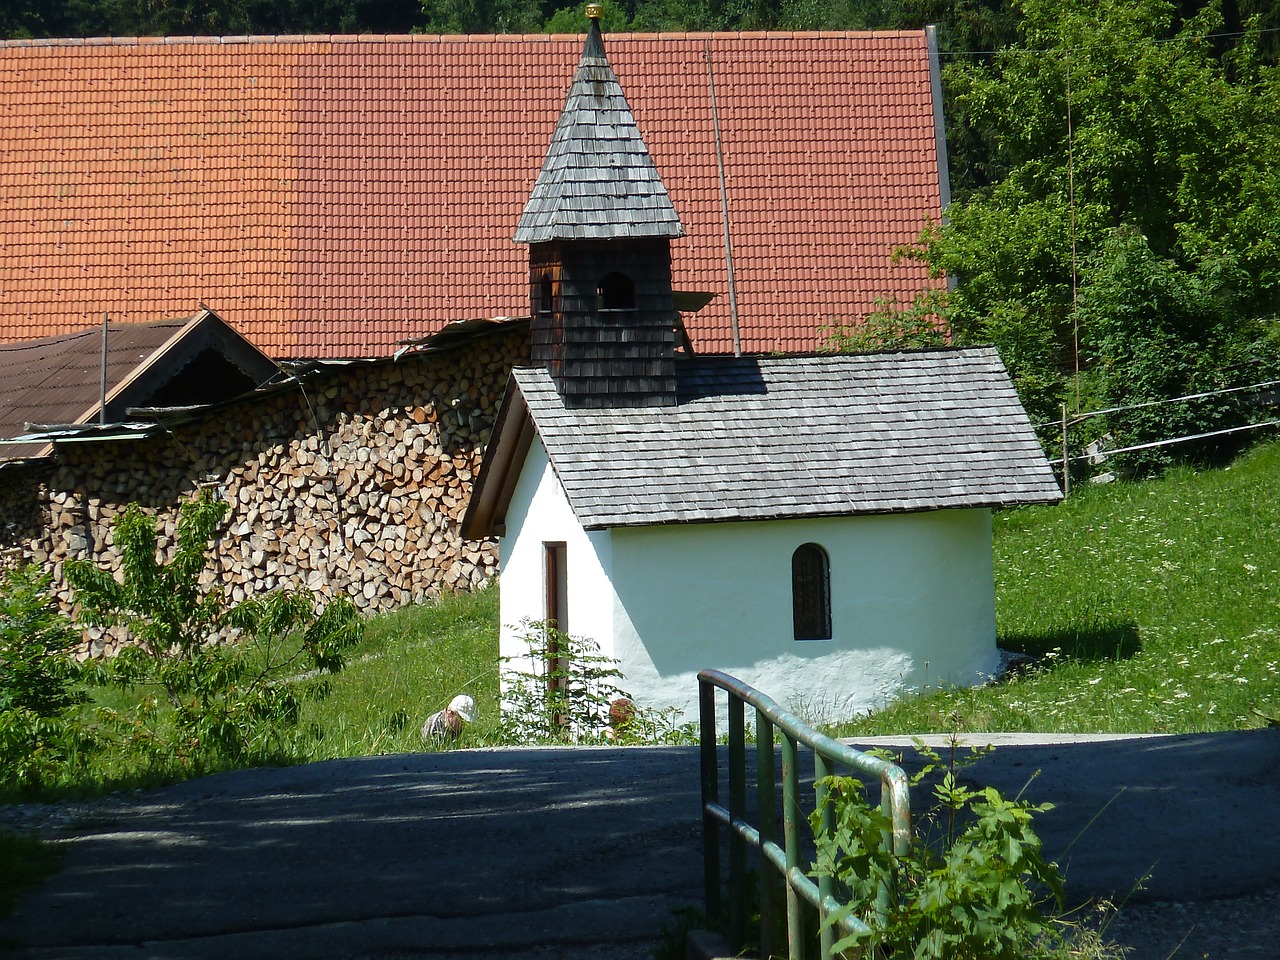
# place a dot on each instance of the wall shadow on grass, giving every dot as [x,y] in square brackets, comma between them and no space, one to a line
[1092,640]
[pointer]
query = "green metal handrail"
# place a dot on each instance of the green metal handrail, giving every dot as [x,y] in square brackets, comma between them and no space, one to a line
[785,859]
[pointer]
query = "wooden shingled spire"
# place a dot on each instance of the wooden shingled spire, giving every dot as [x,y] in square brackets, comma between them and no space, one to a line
[599,225]
[598,180]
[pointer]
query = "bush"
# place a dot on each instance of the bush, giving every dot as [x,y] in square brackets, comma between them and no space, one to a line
[37,674]
[562,690]
[215,702]
[892,326]
[973,890]
[1162,331]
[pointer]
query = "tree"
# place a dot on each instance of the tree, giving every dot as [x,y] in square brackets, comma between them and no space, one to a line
[1111,115]
[571,20]
[483,16]
[218,701]
[36,676]
[1162,331]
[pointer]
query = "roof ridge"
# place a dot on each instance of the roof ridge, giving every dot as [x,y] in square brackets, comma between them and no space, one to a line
[476,38]
[94,331]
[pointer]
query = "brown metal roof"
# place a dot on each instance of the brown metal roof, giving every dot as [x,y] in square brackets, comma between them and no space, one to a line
[57,380]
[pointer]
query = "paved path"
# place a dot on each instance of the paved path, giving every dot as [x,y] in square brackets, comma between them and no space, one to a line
[572,854]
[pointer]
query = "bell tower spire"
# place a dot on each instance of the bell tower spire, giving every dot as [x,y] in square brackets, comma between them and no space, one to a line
[599,224]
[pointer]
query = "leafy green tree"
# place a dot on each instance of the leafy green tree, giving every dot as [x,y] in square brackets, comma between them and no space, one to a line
[892,326]
[81,18]
[1112,114]
[572,20]
[483,16]
[215,701]
[1160,332]
[964,26]
[37,674]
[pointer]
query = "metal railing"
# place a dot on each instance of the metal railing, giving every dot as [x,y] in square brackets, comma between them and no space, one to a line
[784,858]
[1265,394]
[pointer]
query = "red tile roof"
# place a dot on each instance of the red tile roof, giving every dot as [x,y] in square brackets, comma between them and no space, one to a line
[332,195]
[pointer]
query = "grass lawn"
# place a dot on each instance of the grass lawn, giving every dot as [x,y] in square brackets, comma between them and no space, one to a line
[410,664]
[1152,607]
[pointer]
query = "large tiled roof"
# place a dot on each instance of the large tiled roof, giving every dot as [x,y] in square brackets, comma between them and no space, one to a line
[598,180]
[760,439]
[330,196]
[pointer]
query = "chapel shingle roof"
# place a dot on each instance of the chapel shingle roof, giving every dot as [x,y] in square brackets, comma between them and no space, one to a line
[332,195]
[598,181]
[763,439]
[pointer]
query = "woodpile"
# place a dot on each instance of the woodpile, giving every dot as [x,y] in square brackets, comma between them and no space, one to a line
[353,485]
[21,518]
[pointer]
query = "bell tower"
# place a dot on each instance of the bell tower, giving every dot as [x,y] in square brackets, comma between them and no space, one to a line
[599,225]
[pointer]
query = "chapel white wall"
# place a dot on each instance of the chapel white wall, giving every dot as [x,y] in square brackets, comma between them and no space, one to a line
[913,600]
[539,513]
[913,603]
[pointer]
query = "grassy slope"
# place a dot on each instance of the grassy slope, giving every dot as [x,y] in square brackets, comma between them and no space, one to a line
[411,663]
[1155,605]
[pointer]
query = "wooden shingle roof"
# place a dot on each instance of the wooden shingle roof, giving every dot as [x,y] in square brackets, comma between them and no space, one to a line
[598,181]
[777,438]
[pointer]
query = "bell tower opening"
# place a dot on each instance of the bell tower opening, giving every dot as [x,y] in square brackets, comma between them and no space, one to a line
[616,292]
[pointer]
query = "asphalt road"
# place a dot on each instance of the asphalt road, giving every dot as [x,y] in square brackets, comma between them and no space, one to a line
[575,854]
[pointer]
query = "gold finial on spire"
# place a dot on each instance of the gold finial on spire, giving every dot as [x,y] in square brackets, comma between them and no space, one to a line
[595,11]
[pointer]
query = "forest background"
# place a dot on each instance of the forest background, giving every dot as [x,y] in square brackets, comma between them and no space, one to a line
[1114,165]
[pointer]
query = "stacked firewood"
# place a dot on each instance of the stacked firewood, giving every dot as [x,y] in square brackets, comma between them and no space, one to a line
[354,484]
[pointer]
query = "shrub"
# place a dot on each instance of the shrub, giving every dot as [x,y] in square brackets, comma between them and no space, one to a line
[37,674]
[892,326]
[562,690]
[973,890]
[215,702]
[1162,331]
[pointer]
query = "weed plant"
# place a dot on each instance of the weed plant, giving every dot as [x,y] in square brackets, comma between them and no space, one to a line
[973,885]
[564,690]
[1150,606]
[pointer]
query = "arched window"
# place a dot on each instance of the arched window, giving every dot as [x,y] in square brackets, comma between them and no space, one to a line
[546,295]
[616,292]
[811,593]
